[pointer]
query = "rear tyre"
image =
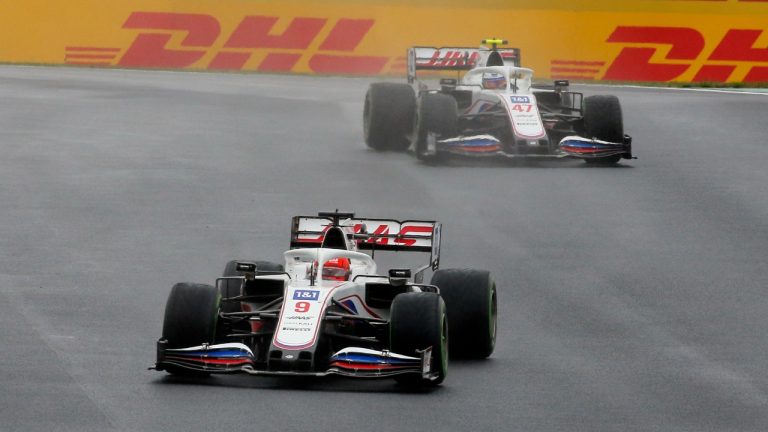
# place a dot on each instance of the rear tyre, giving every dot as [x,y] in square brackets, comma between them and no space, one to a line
[438,115]
[603,120]
[191,315]
[418,321]
[388,116]
[471,303]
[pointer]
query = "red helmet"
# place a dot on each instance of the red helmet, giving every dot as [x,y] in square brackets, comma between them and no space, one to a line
[336,269]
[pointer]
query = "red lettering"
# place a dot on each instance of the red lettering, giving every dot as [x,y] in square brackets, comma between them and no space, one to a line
[757,74]
[254,32]
[412,230]
[229,61]
[633,64]
[452,58]
[714,73]
[279,62]
[318,239]
[432,61]
[148,49]
[346,34]
[522,108]
[381,230]
[738,45]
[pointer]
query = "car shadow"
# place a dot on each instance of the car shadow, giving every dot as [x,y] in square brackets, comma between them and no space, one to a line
[501,162]
[318,384]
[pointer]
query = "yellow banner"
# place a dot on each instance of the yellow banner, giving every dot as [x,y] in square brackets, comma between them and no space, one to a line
[651,40]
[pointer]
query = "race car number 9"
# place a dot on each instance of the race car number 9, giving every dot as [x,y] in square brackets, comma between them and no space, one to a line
[302,306]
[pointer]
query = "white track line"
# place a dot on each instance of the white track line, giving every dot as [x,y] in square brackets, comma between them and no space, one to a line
[758,92]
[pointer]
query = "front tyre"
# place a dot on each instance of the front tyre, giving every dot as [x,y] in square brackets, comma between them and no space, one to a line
[603,120]
[471,302]
[418,321]
[388,116]
[191,316]
[438,116]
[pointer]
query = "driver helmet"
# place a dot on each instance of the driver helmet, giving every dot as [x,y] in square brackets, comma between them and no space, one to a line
[336,269]
[494,81]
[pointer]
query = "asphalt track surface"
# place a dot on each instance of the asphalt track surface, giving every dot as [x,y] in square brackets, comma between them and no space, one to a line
[631,298]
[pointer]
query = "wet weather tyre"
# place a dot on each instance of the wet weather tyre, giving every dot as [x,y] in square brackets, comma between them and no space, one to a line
[438,114]
[231,287]
[603,120]
[388,116]
[191,315]
[418,320]
[471,302]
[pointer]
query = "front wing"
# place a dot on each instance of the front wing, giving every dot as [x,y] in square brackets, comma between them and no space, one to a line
[569,147]
[349,362]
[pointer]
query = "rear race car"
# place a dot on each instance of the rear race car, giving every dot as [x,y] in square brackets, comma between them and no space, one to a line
[326,311]
[493,110]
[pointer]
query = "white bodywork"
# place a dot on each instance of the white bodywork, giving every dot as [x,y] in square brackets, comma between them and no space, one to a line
[516,96]
[307,295]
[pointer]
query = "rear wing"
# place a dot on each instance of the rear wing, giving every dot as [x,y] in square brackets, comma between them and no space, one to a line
[371,234]
[458,58]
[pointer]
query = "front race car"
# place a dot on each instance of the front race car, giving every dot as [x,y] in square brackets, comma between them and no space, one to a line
[325,311]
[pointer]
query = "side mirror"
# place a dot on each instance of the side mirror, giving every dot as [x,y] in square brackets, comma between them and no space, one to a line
[245,267]
[248,269]
[399,277]
[448,84]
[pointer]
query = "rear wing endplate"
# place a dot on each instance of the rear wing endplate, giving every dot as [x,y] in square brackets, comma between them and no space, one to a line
[372,234]
[456,58]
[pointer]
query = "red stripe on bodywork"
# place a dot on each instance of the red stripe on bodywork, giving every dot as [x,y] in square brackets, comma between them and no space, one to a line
[210,360]
[367,366]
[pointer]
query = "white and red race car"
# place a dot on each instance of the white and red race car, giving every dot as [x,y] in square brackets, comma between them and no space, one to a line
[494,109]
[326,310]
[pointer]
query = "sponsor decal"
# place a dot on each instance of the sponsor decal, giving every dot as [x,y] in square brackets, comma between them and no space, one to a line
[306,295]
[410,229]
[384,229]
[297,329]
[263,43]
[298,318]
[520,99]
[449,58]
[525,120]
[683,48]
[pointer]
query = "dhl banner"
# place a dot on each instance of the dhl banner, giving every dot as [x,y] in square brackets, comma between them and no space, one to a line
[628,40]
